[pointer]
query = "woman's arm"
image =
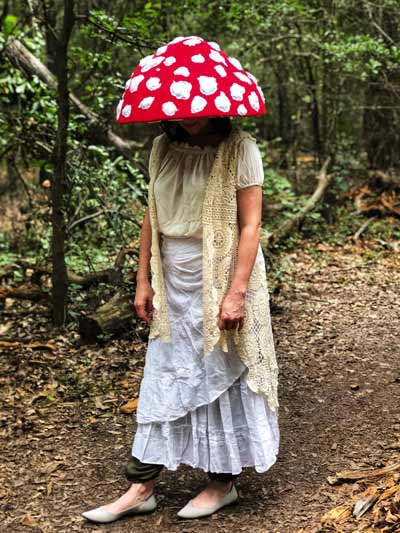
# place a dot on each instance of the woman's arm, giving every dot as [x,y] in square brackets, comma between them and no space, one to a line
[144,293]
[249,218]
[143,271]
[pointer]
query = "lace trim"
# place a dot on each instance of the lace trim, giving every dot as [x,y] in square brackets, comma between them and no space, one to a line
[220,247]
[186,147]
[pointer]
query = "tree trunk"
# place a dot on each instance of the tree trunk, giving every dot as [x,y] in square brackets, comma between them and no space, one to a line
[59,272]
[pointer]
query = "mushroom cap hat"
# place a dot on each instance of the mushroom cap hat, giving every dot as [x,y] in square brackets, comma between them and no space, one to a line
[189,77]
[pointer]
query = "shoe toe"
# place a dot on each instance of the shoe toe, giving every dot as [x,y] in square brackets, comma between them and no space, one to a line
[102,516]
[190,511]
[99,515]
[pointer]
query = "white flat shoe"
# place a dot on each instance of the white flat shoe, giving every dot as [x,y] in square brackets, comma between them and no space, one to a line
[102,516]
[191,511]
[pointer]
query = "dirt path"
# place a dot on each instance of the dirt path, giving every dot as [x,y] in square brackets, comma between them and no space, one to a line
[336,326]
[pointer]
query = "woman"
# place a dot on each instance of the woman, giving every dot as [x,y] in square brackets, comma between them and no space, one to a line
[193,408]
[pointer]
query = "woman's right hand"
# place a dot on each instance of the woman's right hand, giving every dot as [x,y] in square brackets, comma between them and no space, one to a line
[143,301]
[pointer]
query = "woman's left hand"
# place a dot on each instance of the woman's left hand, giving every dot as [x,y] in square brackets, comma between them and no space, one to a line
[231,313]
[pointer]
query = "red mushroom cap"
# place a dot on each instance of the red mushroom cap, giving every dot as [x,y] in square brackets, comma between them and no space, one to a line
[189,77]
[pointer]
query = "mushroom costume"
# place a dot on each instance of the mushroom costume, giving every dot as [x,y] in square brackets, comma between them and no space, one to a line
[189,77]
[208,398]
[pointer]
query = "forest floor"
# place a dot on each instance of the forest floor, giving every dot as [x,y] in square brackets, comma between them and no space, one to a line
[64,440]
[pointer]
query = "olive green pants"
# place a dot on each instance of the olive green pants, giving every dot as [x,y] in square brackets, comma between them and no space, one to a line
[138,472]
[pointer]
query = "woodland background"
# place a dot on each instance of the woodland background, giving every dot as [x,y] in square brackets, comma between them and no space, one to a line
[73,190]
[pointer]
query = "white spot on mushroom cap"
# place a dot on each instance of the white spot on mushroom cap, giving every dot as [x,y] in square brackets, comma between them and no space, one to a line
[222,102]
[198,104]
[217,57]
[135,82]
[242,110]
[198,58]
[235,62]
[237,91]
[221,71]
[152,63]
[177,40]
[208,84]
[261,92]
[181,89]
[145,60]
[127,84]
[214,45]
[153,83]
[126,111]
[182,71]
[254,101]
[162,49]
[169,108]
[169,61]
[243,77]
[119,107]
[192,41]
[146,102]
[250,75]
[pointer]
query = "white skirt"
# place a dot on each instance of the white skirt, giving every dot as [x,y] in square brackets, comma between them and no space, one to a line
[197,409]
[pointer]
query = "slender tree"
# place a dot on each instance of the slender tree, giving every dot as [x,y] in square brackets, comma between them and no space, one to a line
[59,51]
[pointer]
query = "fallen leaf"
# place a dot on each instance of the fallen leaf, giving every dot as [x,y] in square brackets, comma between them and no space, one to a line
[336,515]
[28,521]
[37,345]
[129,407]
[99,404]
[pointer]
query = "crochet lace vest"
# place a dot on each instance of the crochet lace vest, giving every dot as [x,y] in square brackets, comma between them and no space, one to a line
[254,342]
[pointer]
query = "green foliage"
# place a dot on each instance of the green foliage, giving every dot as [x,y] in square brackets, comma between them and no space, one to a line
[308,56]
[9,25]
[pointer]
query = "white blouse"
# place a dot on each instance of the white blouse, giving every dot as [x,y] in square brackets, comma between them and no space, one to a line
[180,185]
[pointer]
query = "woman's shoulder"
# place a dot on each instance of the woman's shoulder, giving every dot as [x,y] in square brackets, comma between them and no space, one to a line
[158,139]
[243,143]
[243,138]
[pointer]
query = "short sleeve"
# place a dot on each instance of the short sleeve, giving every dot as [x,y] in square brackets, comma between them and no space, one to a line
[250,169]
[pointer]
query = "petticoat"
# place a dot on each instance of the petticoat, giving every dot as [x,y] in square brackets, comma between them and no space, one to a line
[195,409]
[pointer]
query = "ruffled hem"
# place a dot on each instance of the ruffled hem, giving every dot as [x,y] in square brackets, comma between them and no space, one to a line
[235,431]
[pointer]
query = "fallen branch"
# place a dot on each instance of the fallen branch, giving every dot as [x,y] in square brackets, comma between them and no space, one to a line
[385,178]
[294,222]
[395,246]
[30,65]
[113,317]
[27,291]
[31,290]
[357,475]
[363,228]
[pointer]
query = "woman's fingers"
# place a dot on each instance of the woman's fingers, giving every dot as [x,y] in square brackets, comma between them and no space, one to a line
[229,323]
[140,310]
[144,309]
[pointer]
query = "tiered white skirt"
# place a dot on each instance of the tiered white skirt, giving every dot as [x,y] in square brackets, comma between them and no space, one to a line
[197,409]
